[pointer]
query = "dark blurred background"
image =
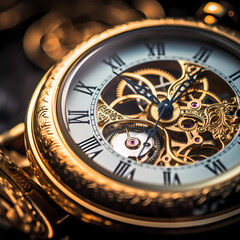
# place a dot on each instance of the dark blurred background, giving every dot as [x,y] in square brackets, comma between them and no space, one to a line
[34,34]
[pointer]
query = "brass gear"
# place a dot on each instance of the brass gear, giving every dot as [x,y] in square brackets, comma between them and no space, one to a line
[205,93]
[145,71]
[189,122]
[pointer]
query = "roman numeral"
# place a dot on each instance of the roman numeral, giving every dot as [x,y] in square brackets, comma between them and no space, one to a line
[235,75]
[155,49]
[81,87]
[216,167]
[170,178]
[124,169]
[78,117]
[114,61]
[91,146]
[202,54]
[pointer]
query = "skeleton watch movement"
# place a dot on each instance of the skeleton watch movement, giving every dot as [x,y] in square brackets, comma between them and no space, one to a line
[139,127]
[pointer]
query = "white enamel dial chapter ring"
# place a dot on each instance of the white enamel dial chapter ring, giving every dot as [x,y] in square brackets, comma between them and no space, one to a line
[104,114]
[148,115]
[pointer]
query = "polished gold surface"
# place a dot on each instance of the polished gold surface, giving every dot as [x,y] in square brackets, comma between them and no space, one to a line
[22,202]
[63,174]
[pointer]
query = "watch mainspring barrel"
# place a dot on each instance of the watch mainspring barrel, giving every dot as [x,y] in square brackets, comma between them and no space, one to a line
[140,126]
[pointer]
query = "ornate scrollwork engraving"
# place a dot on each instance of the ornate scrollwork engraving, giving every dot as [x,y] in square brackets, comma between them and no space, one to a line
[16,209]
[105,114]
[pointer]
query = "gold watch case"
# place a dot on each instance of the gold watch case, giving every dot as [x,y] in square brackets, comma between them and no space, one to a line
[24,204]
[91,195]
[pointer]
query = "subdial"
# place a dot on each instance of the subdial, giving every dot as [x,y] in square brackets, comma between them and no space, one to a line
[129,138]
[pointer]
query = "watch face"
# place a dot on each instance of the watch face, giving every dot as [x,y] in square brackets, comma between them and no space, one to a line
[140,125]
[110,110]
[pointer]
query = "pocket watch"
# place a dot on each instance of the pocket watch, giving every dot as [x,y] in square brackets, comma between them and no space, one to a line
[138,127]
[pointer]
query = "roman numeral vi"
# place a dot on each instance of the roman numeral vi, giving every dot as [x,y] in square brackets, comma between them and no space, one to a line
[170,178]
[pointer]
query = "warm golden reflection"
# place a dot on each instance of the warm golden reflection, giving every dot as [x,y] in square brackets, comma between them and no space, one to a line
[51,37]
[209,19]
[214,8]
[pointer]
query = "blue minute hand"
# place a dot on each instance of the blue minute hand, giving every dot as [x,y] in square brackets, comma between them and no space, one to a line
[140,90]
[165,108]
[152,131]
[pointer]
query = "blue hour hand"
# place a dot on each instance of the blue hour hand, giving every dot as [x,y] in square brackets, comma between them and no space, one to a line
[165,108]
[184,86]
[141,90]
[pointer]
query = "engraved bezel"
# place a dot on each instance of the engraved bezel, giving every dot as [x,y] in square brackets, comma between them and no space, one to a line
[78,188]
